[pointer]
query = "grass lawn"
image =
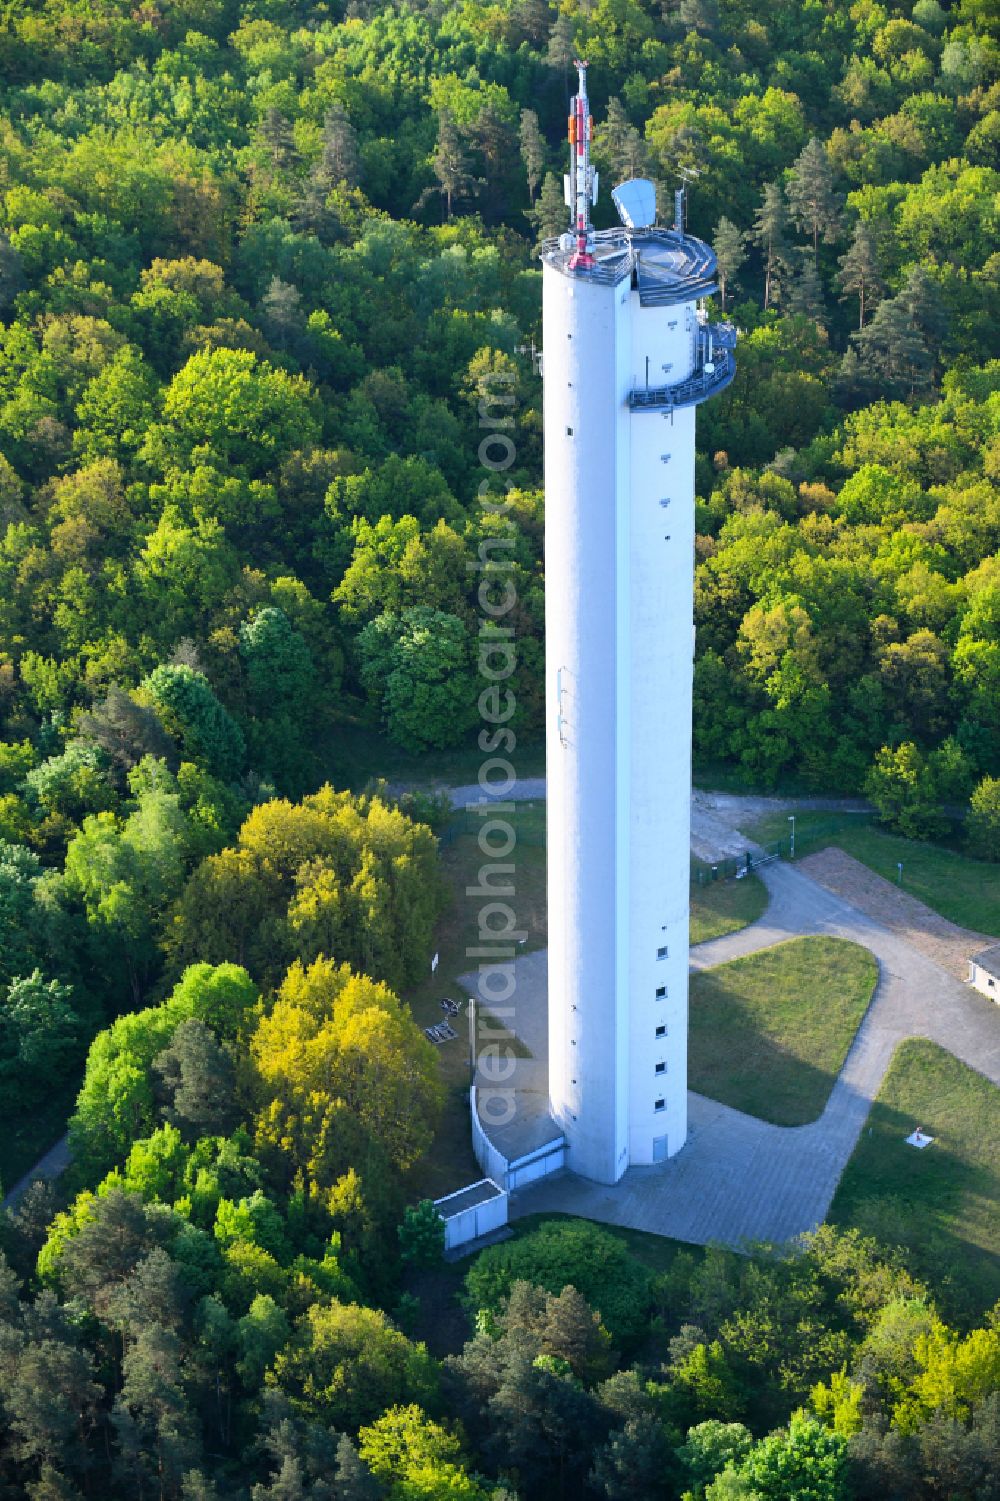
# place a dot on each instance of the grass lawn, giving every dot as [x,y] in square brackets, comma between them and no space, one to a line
[27,1137]
[940,1203]
[724,906]
[451,1163]
[814,827]
[769,1033]
[966,891]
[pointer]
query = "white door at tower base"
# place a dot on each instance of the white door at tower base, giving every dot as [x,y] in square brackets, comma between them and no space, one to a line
[659,1149]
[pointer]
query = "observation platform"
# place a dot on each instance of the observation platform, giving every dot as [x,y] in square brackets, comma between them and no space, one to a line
[665,266]
[714,369]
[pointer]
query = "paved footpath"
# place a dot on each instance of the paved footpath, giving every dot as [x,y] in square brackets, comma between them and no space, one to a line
[55,1161]
[738,1178]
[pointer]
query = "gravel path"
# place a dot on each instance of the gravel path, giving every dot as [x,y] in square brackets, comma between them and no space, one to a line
[525,789]
[739,1179]
[55,1161]
[943,941]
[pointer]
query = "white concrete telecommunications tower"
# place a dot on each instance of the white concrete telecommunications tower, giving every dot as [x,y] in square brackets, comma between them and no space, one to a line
[628,355]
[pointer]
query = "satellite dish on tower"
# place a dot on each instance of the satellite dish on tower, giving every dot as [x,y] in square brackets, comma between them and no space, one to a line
[635,201]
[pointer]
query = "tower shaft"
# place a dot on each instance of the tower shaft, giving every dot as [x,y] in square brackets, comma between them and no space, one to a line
[627,357]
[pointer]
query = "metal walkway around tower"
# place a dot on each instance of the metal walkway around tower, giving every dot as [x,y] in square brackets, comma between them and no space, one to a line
[713,371]
[665,267]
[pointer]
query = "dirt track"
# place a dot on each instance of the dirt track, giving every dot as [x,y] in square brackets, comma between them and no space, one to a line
[941,940]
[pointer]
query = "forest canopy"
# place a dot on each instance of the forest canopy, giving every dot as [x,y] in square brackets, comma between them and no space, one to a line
[263,266]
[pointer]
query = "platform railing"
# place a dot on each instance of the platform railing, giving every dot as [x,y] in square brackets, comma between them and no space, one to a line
[714,369]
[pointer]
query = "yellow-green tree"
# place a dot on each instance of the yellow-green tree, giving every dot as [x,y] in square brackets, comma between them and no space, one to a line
[336,1036]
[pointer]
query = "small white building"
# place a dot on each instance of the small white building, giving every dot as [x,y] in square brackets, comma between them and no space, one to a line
[984,972]
[472,1212]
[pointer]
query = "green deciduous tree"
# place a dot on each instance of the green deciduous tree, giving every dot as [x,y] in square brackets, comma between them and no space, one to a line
[417,669]
[117,1103]
[421,1235]
[240,410]
[808,1462]
[416,1457]
[125,873]
[594,1262]
[709,1447]
[901,785]
[346,1364]
[39,1035]
[189,709]
[982,827]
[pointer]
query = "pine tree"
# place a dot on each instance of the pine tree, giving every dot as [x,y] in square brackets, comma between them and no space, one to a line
[354,1480]
[699,15]
[550,215]
[281,313]
[275,133]
[197,1486]
[635,155]
[769,226]
[339,157]
[53,1486]
[849,381]
[198,1081]
[612,136]
[312,213]
[451,164]
[815,207]
[891,350]
[562,46]
[158,1434]
[859,270]
[532,150]
[11,275]
[922,296]
[637,1460]
[806,292]
[494,139]
[155,1294]
[534,18]
[729,246]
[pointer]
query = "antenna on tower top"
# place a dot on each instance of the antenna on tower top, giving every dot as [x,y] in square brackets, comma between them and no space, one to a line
[680,197]
[581,180]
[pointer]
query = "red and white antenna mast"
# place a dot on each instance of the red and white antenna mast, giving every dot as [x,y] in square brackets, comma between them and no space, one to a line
[581,183]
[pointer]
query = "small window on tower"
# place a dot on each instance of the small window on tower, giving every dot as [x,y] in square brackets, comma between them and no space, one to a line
[661,953]
[661,1031]
[659,1105]
[661,1068]
[569,432]
[661,992]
